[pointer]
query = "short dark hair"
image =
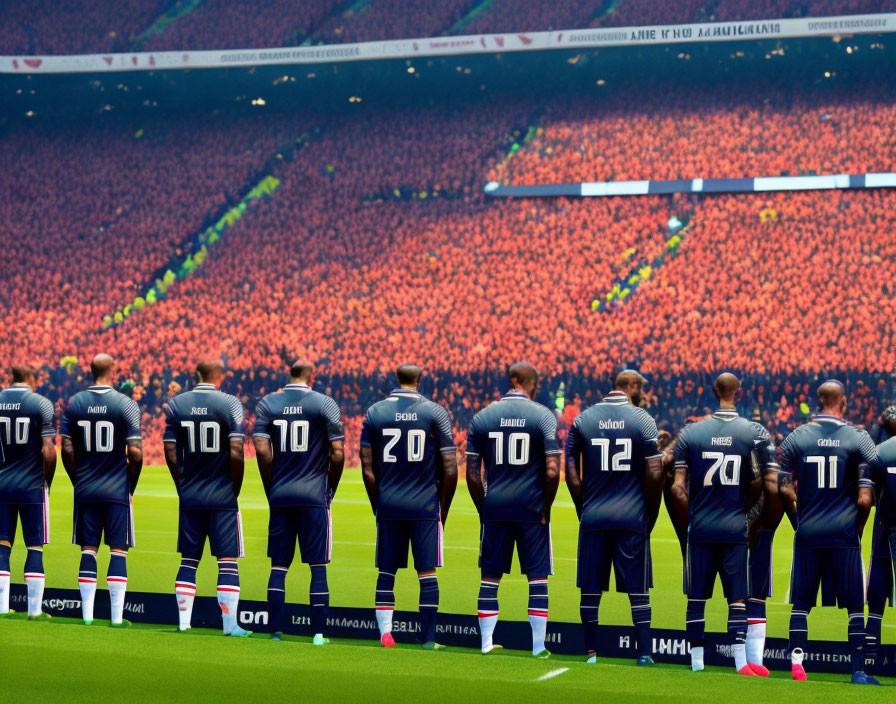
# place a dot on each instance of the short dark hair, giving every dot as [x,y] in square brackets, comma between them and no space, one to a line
[522,372]
[21,373]
[301,369]
[207,370]
[408,374]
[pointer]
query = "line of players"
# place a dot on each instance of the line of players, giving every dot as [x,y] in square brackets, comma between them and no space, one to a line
[729,491]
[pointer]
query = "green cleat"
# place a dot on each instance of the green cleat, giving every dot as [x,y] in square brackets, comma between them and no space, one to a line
[543,655]
[432,645]
[493,649]
[88,623]
[124,624]
[40,617]
[8,614]
[319,639]
[239,633]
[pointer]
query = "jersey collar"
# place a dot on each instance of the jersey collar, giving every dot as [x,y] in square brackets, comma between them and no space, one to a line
[725,413]
[204,387]
[297,385]
[827,418]
[405,393]
[20,387]
[100,388]
[617,398]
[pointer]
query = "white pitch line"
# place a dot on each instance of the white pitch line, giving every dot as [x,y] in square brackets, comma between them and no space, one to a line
[552,673]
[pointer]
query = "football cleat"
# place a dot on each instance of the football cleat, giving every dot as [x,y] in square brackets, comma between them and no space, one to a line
[432,645]
[40,617]
[277,636]
[871,679]
[238,632]
[591,660]
[387,641]
[183,630]
[124,624]
[799,674]
[319,639]
[492,649]
[543,655]
[746,670]
[759,670]
[88,623]
[859,678]
[8,614]
[645,660]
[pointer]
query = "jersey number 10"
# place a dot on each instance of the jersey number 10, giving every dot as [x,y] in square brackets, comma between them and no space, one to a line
[23,426]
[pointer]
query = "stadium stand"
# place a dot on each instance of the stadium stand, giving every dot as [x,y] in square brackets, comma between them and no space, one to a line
[77,26]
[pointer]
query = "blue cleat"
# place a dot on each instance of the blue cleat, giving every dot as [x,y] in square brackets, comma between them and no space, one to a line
[871,679]
[859,678]
[592,660]
[646,660]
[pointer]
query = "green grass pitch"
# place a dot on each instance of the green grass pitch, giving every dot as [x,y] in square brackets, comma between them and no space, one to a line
[64,661]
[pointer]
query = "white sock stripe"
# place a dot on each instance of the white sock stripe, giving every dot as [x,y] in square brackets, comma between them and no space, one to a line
[877,616]
[274,589]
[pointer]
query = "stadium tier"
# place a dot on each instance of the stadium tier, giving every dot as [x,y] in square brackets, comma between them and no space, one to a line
[75,26]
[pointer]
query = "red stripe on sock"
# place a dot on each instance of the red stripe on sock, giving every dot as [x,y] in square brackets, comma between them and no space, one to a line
[86,581]
[533,612]
[117,579]
[754,621]
[235,590]
[385,608]
[34,575]
[487,614]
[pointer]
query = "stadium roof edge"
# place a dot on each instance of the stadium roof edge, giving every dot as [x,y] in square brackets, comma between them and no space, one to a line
[569,39]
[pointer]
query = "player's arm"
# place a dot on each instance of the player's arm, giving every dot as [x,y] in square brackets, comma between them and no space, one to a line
[866,482]
[237,453]
[654,478]
[368,470]
[48,444]
[574,466]
[787,485]
[679,489]
[170,443]
[68,448]
[552,454]
[446,461]
[264,450]
[336,434]
[134,444]
[475,479]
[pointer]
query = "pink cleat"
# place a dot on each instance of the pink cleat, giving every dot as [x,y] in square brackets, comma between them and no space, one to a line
[747,670]
[387,640]
[799,674]
[759,670]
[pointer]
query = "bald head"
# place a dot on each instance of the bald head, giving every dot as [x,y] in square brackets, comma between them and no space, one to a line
[408,376]
[101,368]
[832,397]
[210,373]
[631,383]
[725,387]
[523,377]
[300,371]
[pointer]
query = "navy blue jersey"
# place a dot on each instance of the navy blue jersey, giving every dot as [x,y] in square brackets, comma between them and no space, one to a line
[100,421]
[884,475]
[614,440]
[722,455]
[300,423]
[25,420]
[513,437]
[405,433]
[200,423]
[828,460]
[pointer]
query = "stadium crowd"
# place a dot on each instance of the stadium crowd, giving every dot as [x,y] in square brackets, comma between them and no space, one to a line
[75,26]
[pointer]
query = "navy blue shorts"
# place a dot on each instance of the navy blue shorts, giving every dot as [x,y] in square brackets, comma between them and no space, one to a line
[35,522]
[533,545]
[222,527]
[95,520]
[393,538]
[706,560]
[761,581]
[627,551]
[310,525]
[881,586]
[842,566]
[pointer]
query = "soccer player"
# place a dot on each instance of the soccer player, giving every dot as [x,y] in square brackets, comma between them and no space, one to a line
[27,466]
[102,454]
[883,541]
[614,473]
[204,453]
[719,463]
[299,444]
[409,463]
[513,470]
[825,470]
